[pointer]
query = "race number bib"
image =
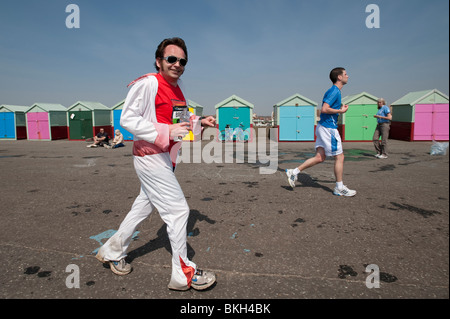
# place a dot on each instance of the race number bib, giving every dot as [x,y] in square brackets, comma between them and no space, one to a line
[179,109]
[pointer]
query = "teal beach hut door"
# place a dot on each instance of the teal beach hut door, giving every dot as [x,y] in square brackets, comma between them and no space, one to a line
[235,118]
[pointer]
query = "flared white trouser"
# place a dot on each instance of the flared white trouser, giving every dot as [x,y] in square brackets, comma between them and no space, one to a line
[161,190]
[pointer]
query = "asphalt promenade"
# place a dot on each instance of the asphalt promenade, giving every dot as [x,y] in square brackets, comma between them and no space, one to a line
[59,201]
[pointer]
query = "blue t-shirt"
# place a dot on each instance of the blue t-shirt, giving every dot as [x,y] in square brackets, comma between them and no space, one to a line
[333,98]
[383,111]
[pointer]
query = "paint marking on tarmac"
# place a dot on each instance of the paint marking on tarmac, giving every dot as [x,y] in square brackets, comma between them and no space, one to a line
[106,235]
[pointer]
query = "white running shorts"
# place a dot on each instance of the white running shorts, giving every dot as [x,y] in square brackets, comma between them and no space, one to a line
[329,139]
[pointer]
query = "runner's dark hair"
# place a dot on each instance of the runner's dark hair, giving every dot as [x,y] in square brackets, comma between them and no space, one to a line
[335,73]
[159,54]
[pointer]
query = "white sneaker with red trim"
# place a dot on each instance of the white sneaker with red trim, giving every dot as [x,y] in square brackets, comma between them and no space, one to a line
[200,281]
[203,279]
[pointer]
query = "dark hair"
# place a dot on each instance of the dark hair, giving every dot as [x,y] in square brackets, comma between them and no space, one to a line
[335,73]
[162,46]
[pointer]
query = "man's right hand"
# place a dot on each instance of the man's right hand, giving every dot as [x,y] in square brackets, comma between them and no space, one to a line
[178,130]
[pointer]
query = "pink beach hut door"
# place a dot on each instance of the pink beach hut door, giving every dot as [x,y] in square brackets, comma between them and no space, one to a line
[431,122]
[423,122]
[38,128]
[441,122]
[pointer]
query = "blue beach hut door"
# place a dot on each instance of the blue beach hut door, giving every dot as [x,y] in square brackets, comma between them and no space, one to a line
[297,123]
[7,128]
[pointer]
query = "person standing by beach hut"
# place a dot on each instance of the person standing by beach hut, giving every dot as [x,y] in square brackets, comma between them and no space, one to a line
[384,118]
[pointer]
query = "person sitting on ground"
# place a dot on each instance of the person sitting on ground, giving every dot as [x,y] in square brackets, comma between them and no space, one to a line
[101,139]
[118,140]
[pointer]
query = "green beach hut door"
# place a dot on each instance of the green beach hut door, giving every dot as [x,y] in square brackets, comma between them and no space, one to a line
[360,123]
[80,125]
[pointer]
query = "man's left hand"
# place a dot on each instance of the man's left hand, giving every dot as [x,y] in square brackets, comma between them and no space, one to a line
[209,121]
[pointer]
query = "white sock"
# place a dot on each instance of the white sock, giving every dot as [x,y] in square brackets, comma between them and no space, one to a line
[296,171]
[339,185]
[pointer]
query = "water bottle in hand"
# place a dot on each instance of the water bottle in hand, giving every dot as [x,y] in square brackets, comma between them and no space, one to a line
[184,118]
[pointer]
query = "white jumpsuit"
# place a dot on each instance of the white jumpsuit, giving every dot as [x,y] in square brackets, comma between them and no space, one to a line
[153,161]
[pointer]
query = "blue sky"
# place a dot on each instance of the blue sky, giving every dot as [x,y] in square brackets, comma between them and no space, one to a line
[261,50]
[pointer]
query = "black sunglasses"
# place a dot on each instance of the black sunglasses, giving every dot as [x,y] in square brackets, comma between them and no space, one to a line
[173,59]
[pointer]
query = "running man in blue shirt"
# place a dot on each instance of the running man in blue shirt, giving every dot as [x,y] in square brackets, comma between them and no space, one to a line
[328,141]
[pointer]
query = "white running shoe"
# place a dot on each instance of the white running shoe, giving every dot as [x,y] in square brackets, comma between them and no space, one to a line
[120,267]
[382,156]
[201,280]
[292,178]
[344,192]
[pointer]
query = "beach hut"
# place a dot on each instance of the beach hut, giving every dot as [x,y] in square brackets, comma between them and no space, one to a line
[420,116]
[117,113]
[85,119]
[46,122]
[195,108]
[296,118]
[235,113]
[358,123]
[13,125]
